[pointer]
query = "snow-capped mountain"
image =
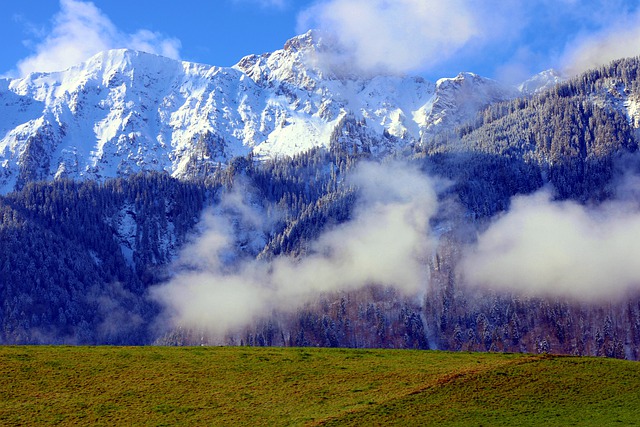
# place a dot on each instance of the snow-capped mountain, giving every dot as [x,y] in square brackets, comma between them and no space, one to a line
[124,111]
[541,82]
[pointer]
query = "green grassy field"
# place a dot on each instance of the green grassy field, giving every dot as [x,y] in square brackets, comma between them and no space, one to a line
[284,386]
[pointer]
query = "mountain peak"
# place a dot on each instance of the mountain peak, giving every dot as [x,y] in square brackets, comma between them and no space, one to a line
[124,111]
[296,63]
[541,82]
[304,42]
[123,59]
[466,79]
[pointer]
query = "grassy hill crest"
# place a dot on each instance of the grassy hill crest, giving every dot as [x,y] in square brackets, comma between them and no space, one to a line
[309,386]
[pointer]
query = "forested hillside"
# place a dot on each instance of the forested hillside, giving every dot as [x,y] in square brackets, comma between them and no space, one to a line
[78,259]
[571,133]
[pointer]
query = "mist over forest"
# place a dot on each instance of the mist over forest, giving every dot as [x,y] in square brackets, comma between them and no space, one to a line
[515,231]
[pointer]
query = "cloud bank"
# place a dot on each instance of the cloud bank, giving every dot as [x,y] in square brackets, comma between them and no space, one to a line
[620,38]
[394,36]
[562,249]
[79,31]
[404,36]
[386,243]
[540,247]
[513,39]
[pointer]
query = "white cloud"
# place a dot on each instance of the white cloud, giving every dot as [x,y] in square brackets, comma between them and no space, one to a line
[541,247]
[386,243]
[152,42]
[511,38]
[80,30]
[395,36]
[520,67]
[619,38]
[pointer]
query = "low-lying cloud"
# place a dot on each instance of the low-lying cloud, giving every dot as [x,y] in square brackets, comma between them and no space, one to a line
[540,247]
[563,249]
[386,243]
[79,31]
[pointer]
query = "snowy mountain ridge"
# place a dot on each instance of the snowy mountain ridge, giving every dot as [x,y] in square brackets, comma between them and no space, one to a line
[124,111]
[541,82]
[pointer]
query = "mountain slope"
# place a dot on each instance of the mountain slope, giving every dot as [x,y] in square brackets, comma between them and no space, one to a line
[573,131]
[78,259]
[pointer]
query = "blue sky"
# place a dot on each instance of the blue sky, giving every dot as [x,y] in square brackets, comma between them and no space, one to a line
[503,39]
